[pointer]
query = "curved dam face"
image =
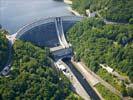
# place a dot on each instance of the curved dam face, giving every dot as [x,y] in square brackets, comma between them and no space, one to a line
[44,32]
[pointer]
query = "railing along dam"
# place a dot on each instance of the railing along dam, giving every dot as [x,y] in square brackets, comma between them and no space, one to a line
[43,32]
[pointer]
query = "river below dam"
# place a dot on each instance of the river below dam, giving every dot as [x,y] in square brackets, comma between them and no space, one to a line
[16,13]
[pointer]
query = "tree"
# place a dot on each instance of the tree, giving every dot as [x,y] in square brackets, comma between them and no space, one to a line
[123,91]
[130,91]
[108,9]
[131,21]
[3,48]
[32,77]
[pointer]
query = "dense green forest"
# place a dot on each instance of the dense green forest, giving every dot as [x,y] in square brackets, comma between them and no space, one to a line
[32,78]
[3,48]
[113,10]
[96,43]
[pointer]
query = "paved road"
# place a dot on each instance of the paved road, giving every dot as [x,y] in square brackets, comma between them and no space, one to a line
[107,21]
[104,83]
[89,77]
[7,66]
[9,53]
[83,81]
[76,85]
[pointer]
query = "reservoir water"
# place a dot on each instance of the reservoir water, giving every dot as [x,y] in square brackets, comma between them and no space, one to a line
[16,13]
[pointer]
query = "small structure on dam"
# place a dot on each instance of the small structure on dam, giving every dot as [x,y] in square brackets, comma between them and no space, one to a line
[50,32]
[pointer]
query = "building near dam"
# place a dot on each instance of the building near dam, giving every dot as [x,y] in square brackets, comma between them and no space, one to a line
[50,32]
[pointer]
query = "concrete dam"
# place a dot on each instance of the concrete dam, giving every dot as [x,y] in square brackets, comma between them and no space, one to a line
[51,33]
[44,32]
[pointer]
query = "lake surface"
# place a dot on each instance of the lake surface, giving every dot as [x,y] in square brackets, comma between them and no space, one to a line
[16,13]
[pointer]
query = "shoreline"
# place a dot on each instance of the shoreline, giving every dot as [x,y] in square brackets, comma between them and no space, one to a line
[68,2]
[69,8]
[73,11]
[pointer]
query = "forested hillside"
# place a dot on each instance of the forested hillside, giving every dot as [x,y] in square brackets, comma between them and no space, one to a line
[97,43]
[32,78]
[113,10]
[3,48]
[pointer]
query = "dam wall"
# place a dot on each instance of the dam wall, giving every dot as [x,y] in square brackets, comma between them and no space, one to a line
[43,32]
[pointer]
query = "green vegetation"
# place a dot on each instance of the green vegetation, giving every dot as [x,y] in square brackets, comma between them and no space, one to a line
[31,78]
[73,97]
[96,43]
[106,94]
[3,48]
[110,79]
[114,10]
[80,5]
[119,85]
[130,92]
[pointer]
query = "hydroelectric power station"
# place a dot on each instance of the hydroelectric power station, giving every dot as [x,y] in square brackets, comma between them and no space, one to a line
[50,32]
